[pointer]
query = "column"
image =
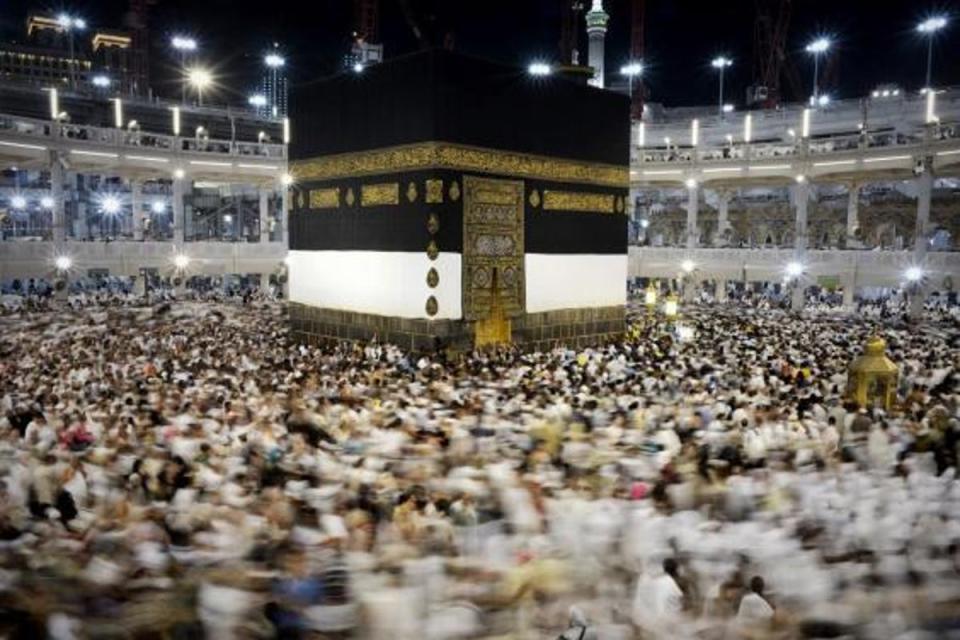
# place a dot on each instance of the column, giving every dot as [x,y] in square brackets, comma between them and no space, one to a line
[284,215]
[140,283]
[178,211]
[264,215]
[721,290]
[692,196]
[723,220]
[853,221]
[801,197]
[136,207]
[924,192]
[59,205]
[849,281]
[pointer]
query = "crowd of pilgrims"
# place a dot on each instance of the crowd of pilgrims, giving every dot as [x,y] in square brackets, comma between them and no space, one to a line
[190,471]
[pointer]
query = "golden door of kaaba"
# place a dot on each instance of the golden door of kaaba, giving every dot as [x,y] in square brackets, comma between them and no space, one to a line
[493,278]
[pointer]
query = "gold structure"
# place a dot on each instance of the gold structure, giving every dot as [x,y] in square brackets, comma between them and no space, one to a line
[350,198]
[671,306]
[412,192]
[324,198]
[493,256]
[372,195]
[434,191]
[495,328]
[872,377]
[458,157]
[650,298]
[578,201]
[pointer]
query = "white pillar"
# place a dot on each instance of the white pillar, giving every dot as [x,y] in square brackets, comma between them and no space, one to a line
[178,211]
[59,205]
[849,282]
[924,191]
[264,215]
[136,206]
[140,284]
[801,198]
[853,202]
[284,215]
[692,235]
[723,219]
[721,290]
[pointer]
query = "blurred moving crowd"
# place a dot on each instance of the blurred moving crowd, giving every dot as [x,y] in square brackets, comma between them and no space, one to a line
[185,470]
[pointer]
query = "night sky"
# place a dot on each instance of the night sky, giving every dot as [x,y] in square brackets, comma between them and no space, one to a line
[875,39]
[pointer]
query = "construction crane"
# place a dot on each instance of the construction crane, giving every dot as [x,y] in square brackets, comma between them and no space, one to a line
[366,20]
[769,51]
[637,95]
[569,20]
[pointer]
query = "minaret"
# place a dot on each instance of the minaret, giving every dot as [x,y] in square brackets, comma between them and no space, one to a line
[597,20]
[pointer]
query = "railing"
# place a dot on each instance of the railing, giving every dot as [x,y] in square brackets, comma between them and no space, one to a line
[133,139]
[812,147]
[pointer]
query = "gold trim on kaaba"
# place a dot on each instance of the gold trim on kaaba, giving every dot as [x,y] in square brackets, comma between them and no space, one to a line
[434,191]
[432,307]
[433,223]
[578,201]
[445,155]
[454,192]
[412,192]
[620,204]
[432,250]
[301,200]
[534,198]
[324,198]
[350,199]
[384,193]
[433,278]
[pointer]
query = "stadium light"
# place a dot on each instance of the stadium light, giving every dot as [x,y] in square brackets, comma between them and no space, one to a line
[181,261]
[110,205]
[929,28]
[794,270]
[101,81]
[539,69]
[47,202]
[357,67]
[274,60]
[913,274]
[63,263]
[817,48]
[257,100]
[18,202]
[720,63]
[200,79]
[181,43]
[157,206]
[688,266]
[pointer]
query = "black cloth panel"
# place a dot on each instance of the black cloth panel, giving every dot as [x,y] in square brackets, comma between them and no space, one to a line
[446,96]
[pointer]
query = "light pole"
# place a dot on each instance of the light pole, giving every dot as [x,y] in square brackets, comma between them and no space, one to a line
[69,25]
[200,79]
[929,28]
[184,46]
[817,47]
[721,63]
[274,62]
[631,70]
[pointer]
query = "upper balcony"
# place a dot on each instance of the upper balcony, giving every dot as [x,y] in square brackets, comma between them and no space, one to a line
[211,143]
[845,141]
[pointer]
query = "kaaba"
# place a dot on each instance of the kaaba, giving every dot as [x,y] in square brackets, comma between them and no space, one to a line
[446,201]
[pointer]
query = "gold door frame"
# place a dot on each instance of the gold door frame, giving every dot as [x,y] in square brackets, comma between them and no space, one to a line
[493,279]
